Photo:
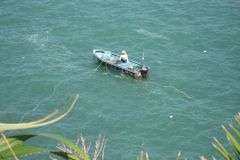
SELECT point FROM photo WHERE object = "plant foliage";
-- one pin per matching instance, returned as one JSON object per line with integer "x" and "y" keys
{"x": 16, "y": 146}
{"x": 232, "y": 134}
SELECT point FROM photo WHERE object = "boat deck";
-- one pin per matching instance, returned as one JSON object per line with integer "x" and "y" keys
{"x": 113, "y": 59}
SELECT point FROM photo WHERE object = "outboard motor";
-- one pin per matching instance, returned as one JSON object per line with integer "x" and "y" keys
{"x": 144, "y": 71}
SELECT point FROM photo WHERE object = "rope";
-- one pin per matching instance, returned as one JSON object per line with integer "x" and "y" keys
{"x": 179, "y": 91}
{"x": 98, "y": 66}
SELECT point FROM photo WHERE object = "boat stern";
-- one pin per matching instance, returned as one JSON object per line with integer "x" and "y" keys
{"x": 144, "y": 71}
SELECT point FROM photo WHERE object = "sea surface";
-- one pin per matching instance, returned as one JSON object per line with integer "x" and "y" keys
{"x": 192, "y": 47}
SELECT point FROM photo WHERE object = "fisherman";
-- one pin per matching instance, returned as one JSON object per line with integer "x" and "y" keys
{"x": 124, "y": 56}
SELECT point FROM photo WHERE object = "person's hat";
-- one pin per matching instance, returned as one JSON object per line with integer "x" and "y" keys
{"x": 124, "y": 52}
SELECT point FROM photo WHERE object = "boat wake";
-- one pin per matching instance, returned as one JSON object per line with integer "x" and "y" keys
{"x": 148, "y": 34}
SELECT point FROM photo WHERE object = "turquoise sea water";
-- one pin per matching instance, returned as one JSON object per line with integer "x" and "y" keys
{"x": 192, "y": 48}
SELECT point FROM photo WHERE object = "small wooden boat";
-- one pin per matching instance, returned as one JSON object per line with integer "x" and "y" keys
{"x": 130, "y": 68}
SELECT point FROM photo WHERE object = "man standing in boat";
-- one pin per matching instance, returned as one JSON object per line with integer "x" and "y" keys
{"x": 124, "y": 56}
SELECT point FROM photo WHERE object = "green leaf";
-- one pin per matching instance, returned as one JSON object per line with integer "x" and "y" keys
{"x": 21, "y": 150}
{"x": 67, "y": 142}
{"x": 220, "y": 148}
{"x": 67, "y": 156}
{"x": 232, "y": 140}
{"x": 236, "y": 131}
{"x": 25, "y": 137}
{"x": 14, "y": 140}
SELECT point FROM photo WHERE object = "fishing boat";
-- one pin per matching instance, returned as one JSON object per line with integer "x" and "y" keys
{"x": 130, "y": 68}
